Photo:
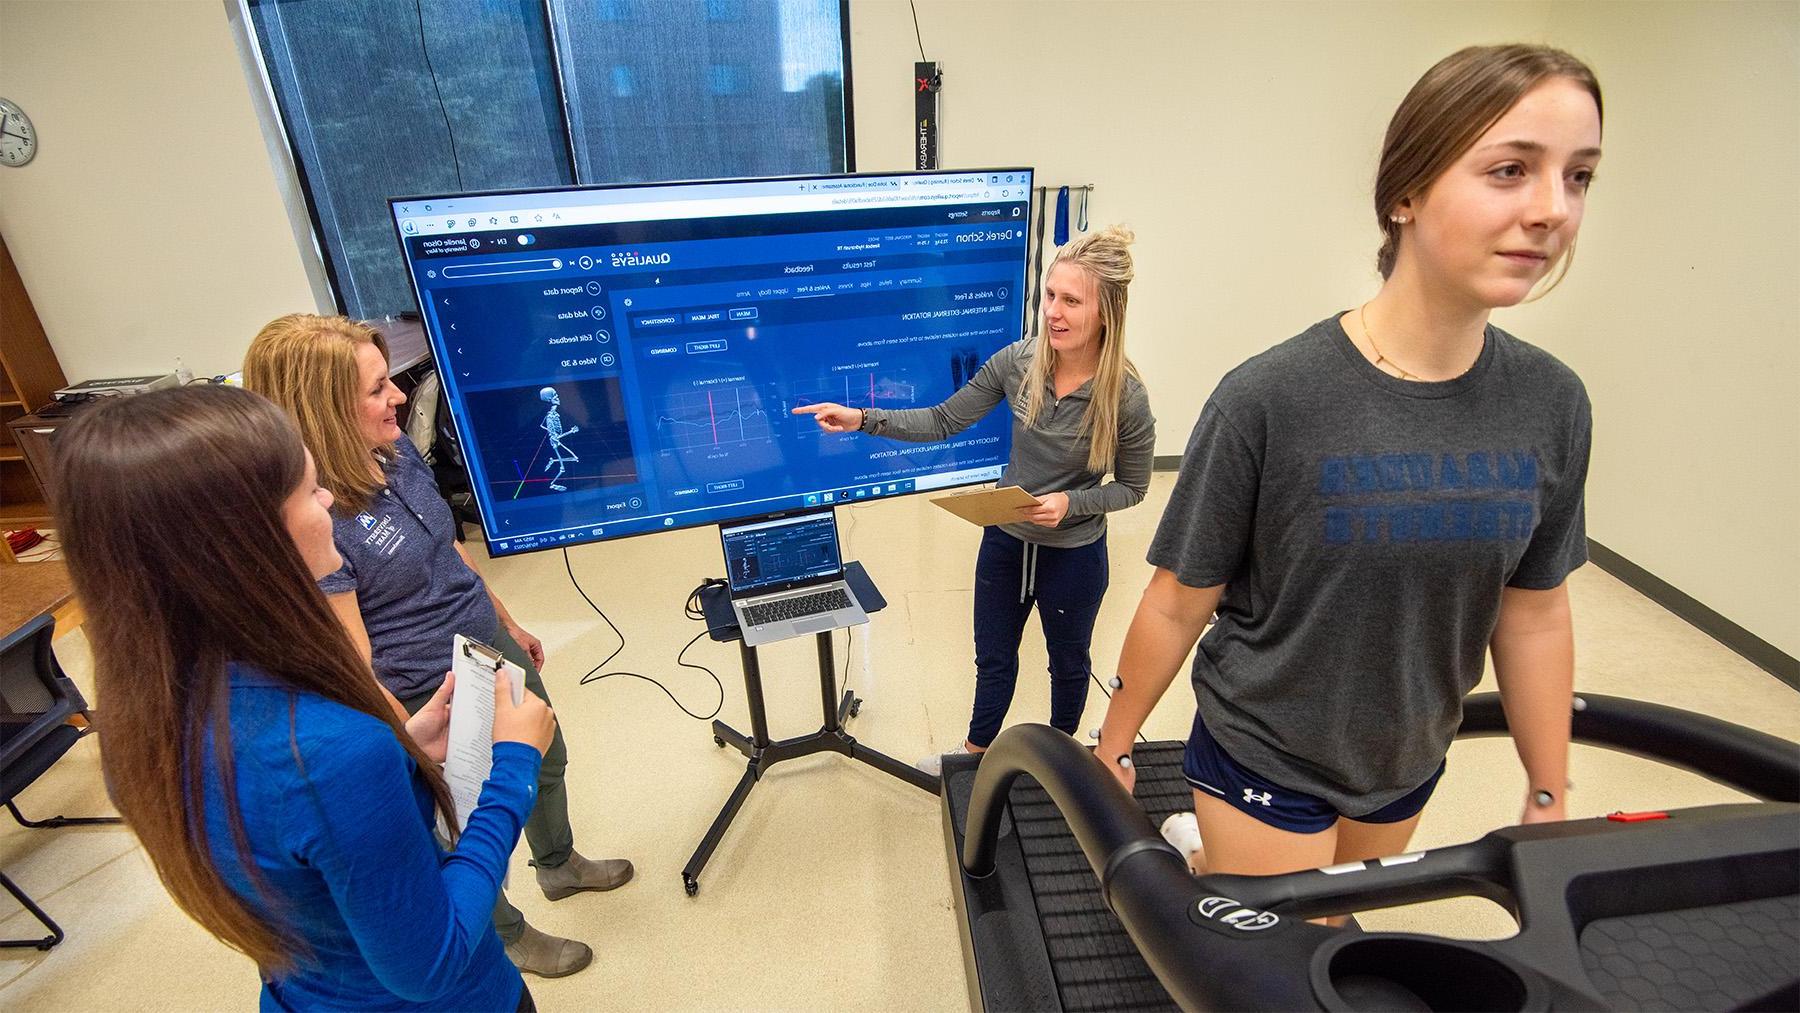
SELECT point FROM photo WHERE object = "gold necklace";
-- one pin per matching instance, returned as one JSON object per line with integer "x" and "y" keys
{"x": 1369, "y": 336}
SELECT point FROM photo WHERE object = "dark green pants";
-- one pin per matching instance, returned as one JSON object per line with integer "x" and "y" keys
{"x": 547, "y": 830}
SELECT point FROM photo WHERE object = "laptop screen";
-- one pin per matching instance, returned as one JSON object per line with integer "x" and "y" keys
{"x": 767, "y": 554}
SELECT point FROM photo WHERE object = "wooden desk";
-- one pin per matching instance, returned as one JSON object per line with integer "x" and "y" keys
{"x": 29, "y": 590}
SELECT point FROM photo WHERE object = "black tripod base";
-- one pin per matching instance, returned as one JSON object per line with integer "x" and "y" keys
{"x": 829, "y": 739}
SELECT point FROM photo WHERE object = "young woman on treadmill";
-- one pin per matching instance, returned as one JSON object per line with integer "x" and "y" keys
{"x": 1375, "y": 504}
{"x": 1079, "y": 411}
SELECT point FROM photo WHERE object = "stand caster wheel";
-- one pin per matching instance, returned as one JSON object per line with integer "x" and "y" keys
{"x": 855, "y": 707}
{"x": 691, "y": 884}
{"x": 721, "y": 744}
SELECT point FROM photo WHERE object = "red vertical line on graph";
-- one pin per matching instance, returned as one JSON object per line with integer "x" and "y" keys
{"x": 737, "y": 399}
{"x": 713, "y": 417}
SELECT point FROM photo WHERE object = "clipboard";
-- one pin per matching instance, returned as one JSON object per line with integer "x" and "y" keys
{"x": 469, "y": 757}
{"x": 999, "y": 505}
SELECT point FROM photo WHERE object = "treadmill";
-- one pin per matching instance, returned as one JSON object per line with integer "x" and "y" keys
{"x": 1068, "y": 898}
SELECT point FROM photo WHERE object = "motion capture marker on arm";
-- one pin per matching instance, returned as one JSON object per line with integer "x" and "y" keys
{"x": 1116, "y": 682}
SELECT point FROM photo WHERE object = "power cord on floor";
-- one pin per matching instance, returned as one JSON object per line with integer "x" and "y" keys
{"x": 692, "y": 610}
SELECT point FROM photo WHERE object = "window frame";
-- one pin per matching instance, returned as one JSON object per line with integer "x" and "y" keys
{"x": 297, "y": 190}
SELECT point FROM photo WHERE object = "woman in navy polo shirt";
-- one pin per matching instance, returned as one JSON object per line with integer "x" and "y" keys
{"x": 407, "y": 585}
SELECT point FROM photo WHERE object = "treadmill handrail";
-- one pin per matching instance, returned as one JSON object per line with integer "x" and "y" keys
{"x": 1102, "y": 815}
{"x": 1155, "y": 885}
{"x": 1750, "y": 761}
{"x": 1152, "y": 893}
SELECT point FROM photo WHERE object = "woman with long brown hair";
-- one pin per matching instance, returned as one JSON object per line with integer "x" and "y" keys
{"x": 1377, "y": 503}
{"x": 408, "y": 585}
{"x": 284, "y": 805}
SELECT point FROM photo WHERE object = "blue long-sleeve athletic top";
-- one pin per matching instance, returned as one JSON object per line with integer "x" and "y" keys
{"x": 340, "y": 830}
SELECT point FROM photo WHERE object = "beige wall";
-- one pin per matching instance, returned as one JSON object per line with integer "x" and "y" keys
{"x": 1683, "y": 310}
{"x": 149, "y": 226}
{"x": 1238, "y": 138}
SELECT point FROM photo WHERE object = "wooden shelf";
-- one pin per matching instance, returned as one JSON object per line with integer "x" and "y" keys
{"x": 26, "y": 514}
{"x": 29, "y": 373}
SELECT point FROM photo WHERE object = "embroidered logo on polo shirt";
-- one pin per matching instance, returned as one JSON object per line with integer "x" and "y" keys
{"x": 367, "y": 520}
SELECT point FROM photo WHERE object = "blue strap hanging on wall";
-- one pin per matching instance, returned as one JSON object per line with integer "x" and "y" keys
{"x": 1036, "y": 248}
{"x": 1062, "y": 216}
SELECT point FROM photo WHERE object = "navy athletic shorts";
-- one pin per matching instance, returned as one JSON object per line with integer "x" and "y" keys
{"x": 1208, "y": 768}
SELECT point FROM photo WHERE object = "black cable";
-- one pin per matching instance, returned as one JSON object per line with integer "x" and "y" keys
{"x": 455, "y": 162}
{"x": 916, "y": 35}
{"x": 692, "y": 609}
{"x": 849, "y": 631}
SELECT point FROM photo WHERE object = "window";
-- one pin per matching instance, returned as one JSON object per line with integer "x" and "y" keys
{"x": 397, "y": 97}
{"x": 624, "y": 85}
{"x": 722, "y": 79}
{"x": 761, "y": 94}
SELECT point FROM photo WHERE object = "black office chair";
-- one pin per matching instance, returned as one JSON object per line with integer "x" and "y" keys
{"x": 36, "y": 702}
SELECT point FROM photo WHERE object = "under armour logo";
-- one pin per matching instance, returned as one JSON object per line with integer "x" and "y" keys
{"x": 1251, "y": 796}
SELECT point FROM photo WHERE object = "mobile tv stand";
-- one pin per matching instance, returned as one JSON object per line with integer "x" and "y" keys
{"x": 721, "y": 625}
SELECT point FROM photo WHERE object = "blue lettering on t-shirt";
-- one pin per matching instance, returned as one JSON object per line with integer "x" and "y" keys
{"x": 1334, "y": 476}
{"x": 1411, "y": 497}
{"x": 1337, "y": 525}
{"x": 1518, "y": 471}
{"x": 1450, "y": 475}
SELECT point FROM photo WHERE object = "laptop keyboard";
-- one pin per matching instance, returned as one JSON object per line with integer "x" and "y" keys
{"x": 797, "y": 607}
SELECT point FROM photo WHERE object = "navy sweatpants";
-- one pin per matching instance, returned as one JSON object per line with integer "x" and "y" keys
{"x": 1066, "y": 586}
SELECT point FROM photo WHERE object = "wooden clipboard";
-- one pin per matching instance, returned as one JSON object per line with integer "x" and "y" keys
{"x": 999, "y": 505}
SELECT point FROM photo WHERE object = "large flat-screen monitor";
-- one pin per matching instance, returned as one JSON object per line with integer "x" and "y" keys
{"x": 622, "y": 360}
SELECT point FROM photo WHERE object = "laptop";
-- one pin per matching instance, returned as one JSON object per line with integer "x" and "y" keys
{"x": 787, "y": 578}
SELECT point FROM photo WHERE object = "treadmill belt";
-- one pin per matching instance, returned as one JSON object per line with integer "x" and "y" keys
{"x": 1096, "y": 964}
{"x": 1723, "y": 956}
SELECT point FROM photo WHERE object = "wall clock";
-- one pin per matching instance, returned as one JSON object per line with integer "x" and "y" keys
{"x": 18, "y": 139}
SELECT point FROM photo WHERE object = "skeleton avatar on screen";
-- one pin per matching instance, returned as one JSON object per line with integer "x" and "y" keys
{"x": 560, "y": 456}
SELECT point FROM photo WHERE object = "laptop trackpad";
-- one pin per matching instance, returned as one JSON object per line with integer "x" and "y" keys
{"x": 817, "y": 624}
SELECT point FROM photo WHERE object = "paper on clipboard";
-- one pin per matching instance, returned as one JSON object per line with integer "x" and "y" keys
{"x": 469, "y": 757}
{"x": 999, "y": 505}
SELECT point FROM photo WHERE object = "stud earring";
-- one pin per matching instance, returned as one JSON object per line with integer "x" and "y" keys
{"x": 1398, "y": 219}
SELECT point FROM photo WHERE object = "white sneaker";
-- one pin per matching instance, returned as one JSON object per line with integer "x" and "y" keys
{"x": 934, "y": 764}
{"x": 1183, "y": 831}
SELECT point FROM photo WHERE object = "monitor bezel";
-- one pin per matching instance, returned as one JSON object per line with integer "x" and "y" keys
{"x": 462, "y": 438}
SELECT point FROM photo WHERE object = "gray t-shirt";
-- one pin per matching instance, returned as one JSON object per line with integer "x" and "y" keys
{"x": 1364, "y": 527}
{"x": 1051, "y": 456}
{"x": 413, "y": 588}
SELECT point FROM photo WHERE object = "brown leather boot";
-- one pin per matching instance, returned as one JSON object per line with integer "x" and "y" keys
{"x": 578, "y": 874}
{"x": 548, "y": 956}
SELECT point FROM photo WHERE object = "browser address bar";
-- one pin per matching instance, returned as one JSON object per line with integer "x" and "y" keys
{"x": 719, "y": 208}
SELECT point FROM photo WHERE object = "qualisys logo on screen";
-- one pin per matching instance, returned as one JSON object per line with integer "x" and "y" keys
{"x": 635, "y": 259}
